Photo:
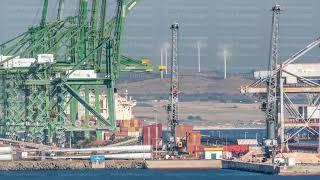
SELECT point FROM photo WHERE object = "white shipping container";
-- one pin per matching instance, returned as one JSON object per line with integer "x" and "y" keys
{"x": 260, "y": 74}
{"x": 24, "y": 60}
{"x": 291, "y": 80}
{"x": 8, "y": 64}
{"x": 303, "y": 70}
{"x": 313, "y": 112}
{"x": 309, "y": 112}
{"x": 291, "y": 161}
{"x": 213, "y": 155}
{"x": 83, "y": 74}
{"x": 45, "y": 58}
{"x": 134, "y": 134}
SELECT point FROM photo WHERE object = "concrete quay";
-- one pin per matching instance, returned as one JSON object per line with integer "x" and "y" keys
{"x": 183, "y": 164}
{"x": 300, "y": 170}
{"x": 251, "y": 167}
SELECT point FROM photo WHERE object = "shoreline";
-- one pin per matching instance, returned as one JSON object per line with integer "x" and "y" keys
{"x": 78, "y": 165}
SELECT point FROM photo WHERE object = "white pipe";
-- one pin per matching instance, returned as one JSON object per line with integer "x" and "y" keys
{"x": 107, "y": 156}
{"x": 129, "y": 156}
{"x": 137, "y": 148}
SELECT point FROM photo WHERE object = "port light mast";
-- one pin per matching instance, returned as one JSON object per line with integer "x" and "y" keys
{"x": 173, "y": 119}
{"x": 272, "y": 87}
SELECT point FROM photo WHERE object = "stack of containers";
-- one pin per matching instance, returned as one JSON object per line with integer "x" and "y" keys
{"x": 194, "y": 146}
{"x": 152, "y": 135}
{"x": 118, "y": 135}
{"x": 182, "y": 131}
{"x": 132, "y": 127}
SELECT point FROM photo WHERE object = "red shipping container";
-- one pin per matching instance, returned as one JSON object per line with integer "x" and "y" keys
{"x": 123, "y": 129}
{"x": 121, "y": 134}
{"x": 107, "y": 134}
{"x": 151, "y": 133}
{"x": 194, "y": 138}
{"x": 182, "y": 130}
{"x": 192, "y": 149}
{"x": 100, "y": 142}
{"x": 236, "y": 148}
{"x": 197, "y": 155}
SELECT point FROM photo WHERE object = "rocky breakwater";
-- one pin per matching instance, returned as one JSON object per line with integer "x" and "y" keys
{"x": 44, "y": 165}
{"x": 68, "y": 165}
{"x": 125, "y": 164}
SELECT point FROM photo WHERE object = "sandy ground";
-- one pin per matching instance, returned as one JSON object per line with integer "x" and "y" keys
{"x": 206, "y": 115}
{"x": 310, "y": 158}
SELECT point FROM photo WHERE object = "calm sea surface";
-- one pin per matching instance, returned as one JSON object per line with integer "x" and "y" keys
{"x": 142, "y": 174}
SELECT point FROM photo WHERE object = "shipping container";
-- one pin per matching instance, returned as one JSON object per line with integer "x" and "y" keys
{"x": 124, "y": 129}
{"x": 117, "y": 135}
{"x": 229, "y": 148}
{"x": 194, "y": 138}
{"x": 45, "y": 58}
{"x": 21, "y": 154}
{"x": 192, "y": 149}
{"x": 213, "y": 155}
{"x": 183, "y": 130}
{"x": 197, "y": 155}
{"x": 236, "y": 148}
{"x": 152, "y": 135}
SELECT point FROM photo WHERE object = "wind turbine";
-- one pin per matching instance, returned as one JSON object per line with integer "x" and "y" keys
{"x": 161, "y": 62}
{"x": 226, "y": 53}
{"x": 199, "y": 56}
{"x": 166, "y": 46}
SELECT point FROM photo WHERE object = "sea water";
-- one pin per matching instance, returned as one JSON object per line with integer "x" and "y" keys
{"x": 143, "y": 174}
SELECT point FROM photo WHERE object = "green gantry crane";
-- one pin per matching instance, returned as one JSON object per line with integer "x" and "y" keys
{"x": 35, "y": 97}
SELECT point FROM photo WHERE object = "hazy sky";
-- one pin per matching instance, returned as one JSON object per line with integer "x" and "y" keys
{"x": 242, "y": 26}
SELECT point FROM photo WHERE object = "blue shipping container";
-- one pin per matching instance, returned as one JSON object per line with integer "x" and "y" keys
{"x": 97, "y": 158}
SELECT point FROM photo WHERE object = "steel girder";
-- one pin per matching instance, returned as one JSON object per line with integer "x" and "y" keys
{"x": 36, "y": 99}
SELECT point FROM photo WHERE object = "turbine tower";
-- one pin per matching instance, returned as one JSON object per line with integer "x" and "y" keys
{"x": 225, "y": 55}
{"x": 161, "y": 62}
{"x": 199, "y": 56}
